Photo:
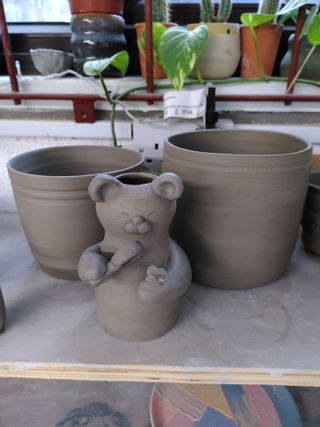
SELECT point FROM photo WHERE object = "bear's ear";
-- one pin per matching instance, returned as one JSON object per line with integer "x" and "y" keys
{"x": 168, "y": 186}
{"x": 103, "y": 186}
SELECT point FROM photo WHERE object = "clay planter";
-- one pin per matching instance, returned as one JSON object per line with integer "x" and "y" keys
{"x": 50, "y": 188}
{"x": 158, "y": 72}
{"x": 239, "y": 216}
{"x": 139, "y": 273}
{"x": 311, "y": 216}
{"x": 96, "y": 6}
{"x": 2, "y": 312}
{"x": 268, "y": 39}
{"x": 222, "y": 53}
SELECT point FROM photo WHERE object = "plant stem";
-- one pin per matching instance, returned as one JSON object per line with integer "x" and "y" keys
{"x": 113, "y": 110}
{"x": 301, "y": 68}
{"x": 256, "y": 46}
{"x": 198, "y": 74}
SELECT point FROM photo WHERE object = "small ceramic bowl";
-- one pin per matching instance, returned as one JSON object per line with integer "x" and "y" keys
{"x": 51, "y": 61}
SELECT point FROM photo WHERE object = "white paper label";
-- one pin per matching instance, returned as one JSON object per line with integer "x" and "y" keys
{"x": 185, "y": 104}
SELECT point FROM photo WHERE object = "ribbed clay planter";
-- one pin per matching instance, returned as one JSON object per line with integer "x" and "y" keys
{"x": 239, "y": 215}
{"x": 50, "y": 187}
{"x": 221, "y": 55}
{"x": 311, "y": 216}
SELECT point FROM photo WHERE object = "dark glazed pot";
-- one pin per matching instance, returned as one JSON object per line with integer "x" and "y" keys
{"x": 239, "y": 216}
{"x": 50, "y": 187}
{"x": 2, "y": 313}
{"x": 96, "y": 36}
{"x": 311, "y": 216}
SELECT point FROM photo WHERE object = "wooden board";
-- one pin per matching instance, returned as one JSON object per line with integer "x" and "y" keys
{"x": 269, "y": 335}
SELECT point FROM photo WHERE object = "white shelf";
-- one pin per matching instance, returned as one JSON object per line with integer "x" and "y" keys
{"x": 269, "y": 335}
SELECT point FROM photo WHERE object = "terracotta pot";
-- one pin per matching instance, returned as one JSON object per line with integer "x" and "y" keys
{"x": 158, "y": 72}
{"x": 221, "y": 55}
{"x": 96, "y": 6}
{"x": 96, "y": 36}
{"x": 50, "y": 188}
{"x": 2, "y": 312}
{"x": 268, "y": 36}
{"x": 138, "y": 271}
{"x": 311, "y": 216}
{"x": 239, "y": 216}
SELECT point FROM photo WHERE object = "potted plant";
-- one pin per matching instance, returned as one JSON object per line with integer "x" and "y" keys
{"x": 161, "y": 15}
{"x": 222, "y": 53}
{"x": 260, "y": 36}
{"x": 97, "y": 31}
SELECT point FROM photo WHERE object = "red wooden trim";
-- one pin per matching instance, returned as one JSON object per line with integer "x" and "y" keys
{"x": 7, "y": 49}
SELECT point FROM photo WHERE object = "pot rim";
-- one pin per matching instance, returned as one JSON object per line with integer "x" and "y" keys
{"x": 307, "y": 147}
{"x": 68, "y": 147}
{"x": 315, "y": 187}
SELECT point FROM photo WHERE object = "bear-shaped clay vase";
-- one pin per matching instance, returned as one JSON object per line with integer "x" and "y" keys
{"x": 139, "y": 273}
{"x": 2, "y": 312}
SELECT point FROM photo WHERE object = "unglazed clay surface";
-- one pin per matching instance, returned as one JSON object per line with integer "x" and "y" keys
{"x": 138, "y": 271}
{"x": 238, "y": 219}
{"x": 2, "y": 312}
{"x": 50, "y": 187}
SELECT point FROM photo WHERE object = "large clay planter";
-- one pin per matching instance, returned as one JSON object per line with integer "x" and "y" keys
{"x": 311, "y": 216}
{"x": 158, "y": 71}
{"x": 2, "y": 312}
{"x": 268, "y": 36}
{"x": 96, "y": 6}
{"x": 221, "y": 55}
{"x": 50, "y": 187}
{"x": 239, "y": 216}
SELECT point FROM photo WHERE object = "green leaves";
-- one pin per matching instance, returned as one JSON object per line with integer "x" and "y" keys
{"x": 309, "y": 20}
{"x": 179, "y": 50}
{"x": 290, "y": 6}
{"x": 157, "y": 31}
{"x": 253, "y": 20}
{"x": 314, "y": 32}
{"x": 95, "y": 68}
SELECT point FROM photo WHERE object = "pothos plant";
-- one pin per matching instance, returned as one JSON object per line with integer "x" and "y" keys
{"x": 179, "y": 50}
{"x": 95, "y": 68}
{"x": 268, "y": 11}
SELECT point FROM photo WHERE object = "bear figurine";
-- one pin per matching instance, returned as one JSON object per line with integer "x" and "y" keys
{"x": 139, "y": 273}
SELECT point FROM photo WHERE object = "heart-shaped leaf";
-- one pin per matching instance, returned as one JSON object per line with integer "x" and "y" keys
{"x": 291, "y": 5}
{"x": 179, "y": 50}
{"x": 157, "y": 31}
{"x": 120, "y": 60}
{"x": 253, "y": 20}
{"x": 314, "y": 31}
{"x": 309, "y": 20}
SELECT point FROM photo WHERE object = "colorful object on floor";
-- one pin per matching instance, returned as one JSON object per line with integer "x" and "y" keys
{"x": 174, "y": 405}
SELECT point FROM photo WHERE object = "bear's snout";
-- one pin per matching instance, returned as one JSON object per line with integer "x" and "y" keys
{"x": 137, "y": 225}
